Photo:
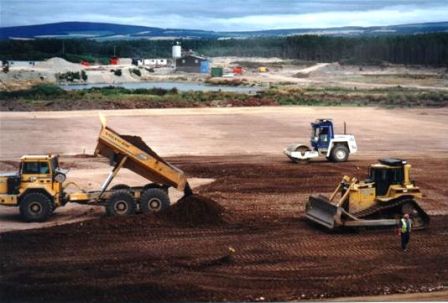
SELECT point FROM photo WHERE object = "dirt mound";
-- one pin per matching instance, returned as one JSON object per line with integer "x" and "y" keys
{"x": 59, "y": 65}
{"x": 195, "y": 210}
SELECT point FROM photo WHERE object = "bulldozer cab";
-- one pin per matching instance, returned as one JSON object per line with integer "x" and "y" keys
{"x": 386, "y": 173}
{"x": 322, "y": 133}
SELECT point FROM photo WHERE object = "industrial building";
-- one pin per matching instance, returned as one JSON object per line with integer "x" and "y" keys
{"x": 192, "y": 64}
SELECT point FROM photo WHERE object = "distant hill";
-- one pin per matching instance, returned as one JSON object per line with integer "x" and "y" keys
{"x": 107, "y": 31}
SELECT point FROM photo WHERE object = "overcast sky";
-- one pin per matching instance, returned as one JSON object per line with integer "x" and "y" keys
{"x": 226, "y": 15}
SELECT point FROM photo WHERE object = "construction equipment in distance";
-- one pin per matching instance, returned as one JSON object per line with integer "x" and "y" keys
{"x": 39, "y": 186}
{"x": 380, "y": 200}
{"x": 336, "y": 148}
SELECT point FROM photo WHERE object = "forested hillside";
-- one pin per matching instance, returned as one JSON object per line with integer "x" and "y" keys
{"x": 424, "y": 49}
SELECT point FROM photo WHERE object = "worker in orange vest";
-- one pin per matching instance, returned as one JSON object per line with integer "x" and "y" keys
{"x": 404, "y": 230}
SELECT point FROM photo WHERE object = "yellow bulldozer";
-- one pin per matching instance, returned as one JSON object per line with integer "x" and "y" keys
{"x": 380, "y": 200}
{"x": 39, "y": 186}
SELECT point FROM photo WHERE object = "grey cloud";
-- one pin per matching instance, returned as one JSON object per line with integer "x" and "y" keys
{"x": 228, "y": 15}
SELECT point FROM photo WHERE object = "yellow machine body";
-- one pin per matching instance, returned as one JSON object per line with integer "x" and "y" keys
{"x": 144, "y": 163}
{"x": 362, "y": 196}
{"x": 36, "y": 173}
{"x": 40, "y": 182}
{"x": 377, "y": 201}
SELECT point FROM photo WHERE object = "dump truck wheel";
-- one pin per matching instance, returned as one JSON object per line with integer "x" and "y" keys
{"x": 121, "y": 203}
{"x": 339, "y": 153}
{"x": 154, "y": 200}
{"x": 36, "y": 207}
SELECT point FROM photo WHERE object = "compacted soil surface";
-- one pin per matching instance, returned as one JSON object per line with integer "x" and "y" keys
{"x": 241, "y": 238}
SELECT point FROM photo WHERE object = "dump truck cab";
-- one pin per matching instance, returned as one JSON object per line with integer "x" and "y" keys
{"x": 36, "y": 187}
{"x": 36, "y": 173}
{"x": 41, "y": 168}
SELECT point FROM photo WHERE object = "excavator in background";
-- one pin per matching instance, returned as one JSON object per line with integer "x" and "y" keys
{"x": 39, "y": 186}
{"x": 381, "y": 200}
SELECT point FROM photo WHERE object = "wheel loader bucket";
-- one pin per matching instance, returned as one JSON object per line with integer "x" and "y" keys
{"x": 320, "y": 210}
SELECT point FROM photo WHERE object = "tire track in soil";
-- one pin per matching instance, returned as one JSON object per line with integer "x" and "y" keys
{"x": 278, "y": 255}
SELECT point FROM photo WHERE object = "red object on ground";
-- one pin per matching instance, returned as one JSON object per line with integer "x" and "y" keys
{"x": 113, "y": 60}
{"x": 237, "y": 70}
{"x": 85, "y": 63}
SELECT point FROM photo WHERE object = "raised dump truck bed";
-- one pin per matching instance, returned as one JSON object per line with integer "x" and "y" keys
{"x": 140, "y": 158}
{"x": 132, "y": 153}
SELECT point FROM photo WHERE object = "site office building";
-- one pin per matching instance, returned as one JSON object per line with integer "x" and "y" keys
{"x": 192, "y": 64}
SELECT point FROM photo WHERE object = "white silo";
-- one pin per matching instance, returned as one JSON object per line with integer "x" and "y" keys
{"x": 177, "y": 51}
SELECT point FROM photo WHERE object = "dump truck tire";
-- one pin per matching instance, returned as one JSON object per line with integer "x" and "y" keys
{"x": 36, "y": 207}
{"x": 154, "y": 200}
{"x": 339, "y": 153}
{"x": 121, "y": 203}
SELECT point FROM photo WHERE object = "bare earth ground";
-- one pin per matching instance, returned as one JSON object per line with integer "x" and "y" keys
{"x": 278, "y": 255}
{"x": 224, "y": 131}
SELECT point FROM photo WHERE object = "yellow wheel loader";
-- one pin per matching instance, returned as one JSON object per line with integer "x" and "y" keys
{"x": 39, "y": 186}
{"x": 380, "y": 200}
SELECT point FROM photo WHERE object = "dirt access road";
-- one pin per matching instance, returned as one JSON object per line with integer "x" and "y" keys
{"x": 224, "y": 131}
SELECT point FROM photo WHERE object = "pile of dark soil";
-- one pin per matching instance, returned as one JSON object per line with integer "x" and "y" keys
{"x": 195, "y": 210}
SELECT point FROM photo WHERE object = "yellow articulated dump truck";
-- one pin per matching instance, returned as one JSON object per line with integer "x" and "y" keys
{"x": 39, "y": 187}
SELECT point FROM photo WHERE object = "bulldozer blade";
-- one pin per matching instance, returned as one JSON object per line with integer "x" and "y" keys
{"x": 320, "y": 210}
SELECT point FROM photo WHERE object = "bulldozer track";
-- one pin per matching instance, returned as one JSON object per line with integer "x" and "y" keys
{"x": 379, "y": 208}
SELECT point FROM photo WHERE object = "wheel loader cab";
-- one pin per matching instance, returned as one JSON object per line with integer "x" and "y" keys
{"x": 386, "y": 173}
{"x": 322, "y": 133}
